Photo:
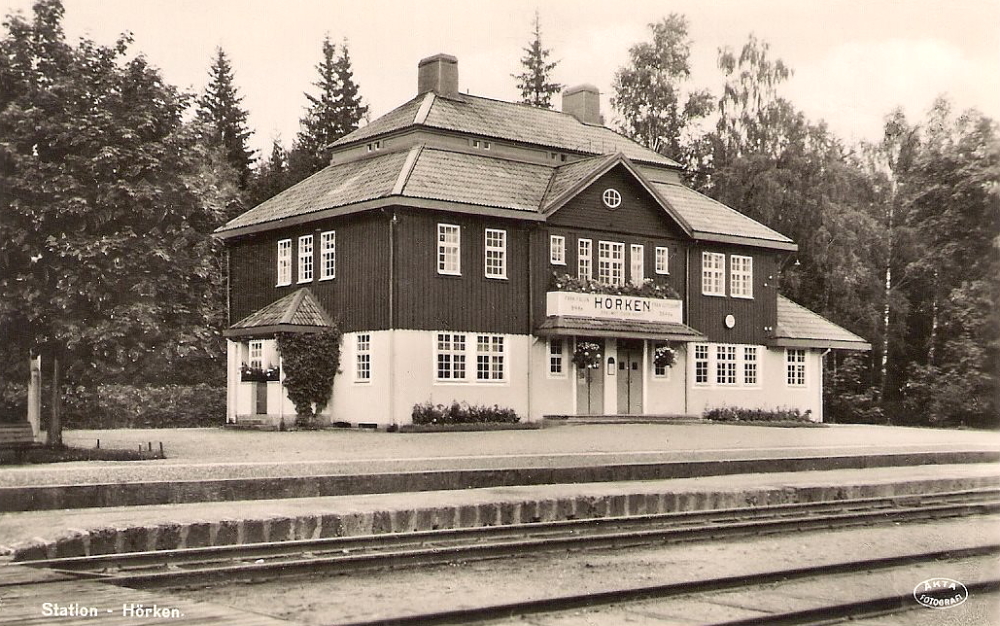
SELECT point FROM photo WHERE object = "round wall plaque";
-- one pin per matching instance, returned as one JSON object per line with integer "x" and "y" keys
{"x": 730, "y": 321}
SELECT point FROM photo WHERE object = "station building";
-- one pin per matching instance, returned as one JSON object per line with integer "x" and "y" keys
{"x": 484, "y": 251}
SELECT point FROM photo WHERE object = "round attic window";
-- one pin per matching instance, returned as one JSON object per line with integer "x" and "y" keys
{"x": 612, "y": 199}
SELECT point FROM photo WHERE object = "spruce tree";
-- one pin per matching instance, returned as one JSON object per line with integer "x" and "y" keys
{"x": 220, "y": 107}
{"x": 535, "y": 83}
{"x": 333, "y": 113}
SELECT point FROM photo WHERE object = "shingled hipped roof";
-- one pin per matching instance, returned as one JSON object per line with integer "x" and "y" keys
{"x": 297, "y": 312}
{"x": 475, "y": 115}
{"x": 798, "y": 327}
{"x": 492, "y": 182}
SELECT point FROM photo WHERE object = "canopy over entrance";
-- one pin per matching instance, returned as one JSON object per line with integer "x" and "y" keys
{"x": 629, "y": 329}
{"x": 298, "y": 312}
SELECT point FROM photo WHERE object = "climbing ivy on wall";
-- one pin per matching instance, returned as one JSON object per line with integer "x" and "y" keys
{"x": 310, "y": 361}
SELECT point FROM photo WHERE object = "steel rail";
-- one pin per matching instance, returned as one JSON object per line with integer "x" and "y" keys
{"x": 653, "y": 592}
{"x": 422, "y": 555}
{"x": 345, "y": 545}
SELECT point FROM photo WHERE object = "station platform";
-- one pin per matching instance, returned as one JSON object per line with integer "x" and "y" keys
{"x": 225, "y": 487}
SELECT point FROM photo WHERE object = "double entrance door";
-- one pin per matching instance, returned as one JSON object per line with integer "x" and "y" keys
{"x": 629, "y": 377}
{"x": 626, "y": 376}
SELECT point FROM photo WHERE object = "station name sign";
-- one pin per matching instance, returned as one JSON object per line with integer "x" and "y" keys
{"x": 612, "y": 307}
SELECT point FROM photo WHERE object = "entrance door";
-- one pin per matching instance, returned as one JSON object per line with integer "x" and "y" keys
{"x": 629, "y": 377}
{"x": 590, "y": 388}
{"x": 260, "y": 398}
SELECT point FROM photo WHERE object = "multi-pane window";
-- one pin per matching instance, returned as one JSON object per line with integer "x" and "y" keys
{"x": 257, "y": 354}
{"x": 449, "y": 249}
{"x": 305, "y": 258}
{"x": 489, "y": 357}
{"x": 713, "y": 274}
{"x": 659, "y": 371}
{"x": 557, "y": 250}
{"x": 741, "y": 276}
{"x": 611, "y": 262}
{"x": 328, "y": 255}
{"x": 796, "y": 362}
{"x": 750, "y": 365}
{"x": 725, "y": 365}
{"x": 636, "y": 269}
{"x": 285, "y": 262}
{"x": 585, "y": 259}
{"x": 556, "y": 356}
{"x": 363, "y": 358}
{"x": 450, "y": 356}
{"x": 701, "y": 363}
{"x": 734, "y": 365}
{"x": 662, "y": 260}
{"x": 496, "y": 253}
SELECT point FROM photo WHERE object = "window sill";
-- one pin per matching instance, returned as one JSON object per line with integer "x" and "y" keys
{"x": 551, "y": 262}
{"x": 714, "y": 295}
{"x": 503, "y": 278}
{"x": 452, "y": 274}
{"x": 283, "y": 285}
{"x": 304, "y": 282}
{"x": 326, "y": 278}
{"x": 743, "y": 297}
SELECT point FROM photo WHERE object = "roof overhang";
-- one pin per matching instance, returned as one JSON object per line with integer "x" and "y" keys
{"x": 380, "y": 203}
{"x": 270, "y": 331}
{"x": 746, "y": 241}
{"x": 560, "y": 326}
{"x": 828, "y": 344}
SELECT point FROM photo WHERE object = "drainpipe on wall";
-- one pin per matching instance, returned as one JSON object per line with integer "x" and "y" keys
{"x": 531, "y": 316}
{"x": 685, "y": 318}
{"x": 392, "y": 317}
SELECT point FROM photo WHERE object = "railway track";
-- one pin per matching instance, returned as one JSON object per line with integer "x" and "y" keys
{"x": 201, "y": 566}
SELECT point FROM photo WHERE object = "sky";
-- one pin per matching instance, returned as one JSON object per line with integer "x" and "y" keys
{"x": 853, "y": 60}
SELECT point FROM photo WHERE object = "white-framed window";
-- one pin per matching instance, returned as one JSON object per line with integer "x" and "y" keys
{"x": 557, "y": 250}
{"x": 725, "y": 365}
{"x": 363, "y": 358}
{"x": 750, "y": 367}
{"x": 328, "y": 255}
{"x": 375, "y": 145}
{"x": 741, "y": 276}
{"x": 713, "y": 274}
{"x": 636, "y": 267}
{"x": 285, "y": 262}
{"x": 611, "y": 198}
{"x": 480, "y": 144}
{"x": 495, "y": 261}
{"x": 450, "y": 356}
{"x": 449, "y": 256}
{"x": 490, "y": 358}
{"x": 795, "y": 359}
{"x": 256, "y": 360}
{"x": 701, "y": 364}
{"x": 556, "y": 358}
{"x": 733, "y": 365}
{"x": 662, "y": 260}
{"x": 584, "y": 259}
{"x": 305, "y": 258}
{"x": 611, "y": 262}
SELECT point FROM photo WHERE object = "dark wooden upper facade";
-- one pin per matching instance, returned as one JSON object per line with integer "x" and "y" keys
{"x": 386, "y": 274}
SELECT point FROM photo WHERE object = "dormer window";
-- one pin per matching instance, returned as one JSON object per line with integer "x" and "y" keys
{"x": 480, "y": 144}
{"x": 557, "y": 156}
{"x": 375, "y": 145}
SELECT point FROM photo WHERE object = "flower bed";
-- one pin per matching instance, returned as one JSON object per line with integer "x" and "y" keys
{"x": 648, "y": 289}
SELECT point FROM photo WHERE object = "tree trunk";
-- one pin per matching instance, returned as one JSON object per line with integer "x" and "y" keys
{"x": 55, "y": 424}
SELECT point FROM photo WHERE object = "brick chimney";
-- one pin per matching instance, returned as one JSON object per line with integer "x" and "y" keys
{"x": 439, "y": 74}
{"x": 584, "y": 103}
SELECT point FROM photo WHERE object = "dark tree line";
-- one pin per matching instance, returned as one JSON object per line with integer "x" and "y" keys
{"x": 898, "y": 239}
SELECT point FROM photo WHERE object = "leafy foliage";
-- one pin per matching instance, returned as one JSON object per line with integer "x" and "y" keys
{"x": 535, "y": 83}
{"x": 311, "y": 361}
{"x": 735, "y": 414}
{"x": 110, "y": 200}
{"x": 462, "y": 413}
{"x": 220, "y": 108}
{"x": 648, "y": 289}
{"x": 651, "y": 102}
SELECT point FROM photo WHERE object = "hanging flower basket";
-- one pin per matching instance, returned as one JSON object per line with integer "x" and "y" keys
{"x": 587, "y": 355}
{"x": 664, "y": 356}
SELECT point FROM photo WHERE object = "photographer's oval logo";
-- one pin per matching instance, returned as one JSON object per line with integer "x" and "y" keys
{"x": 940, "y": 593}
